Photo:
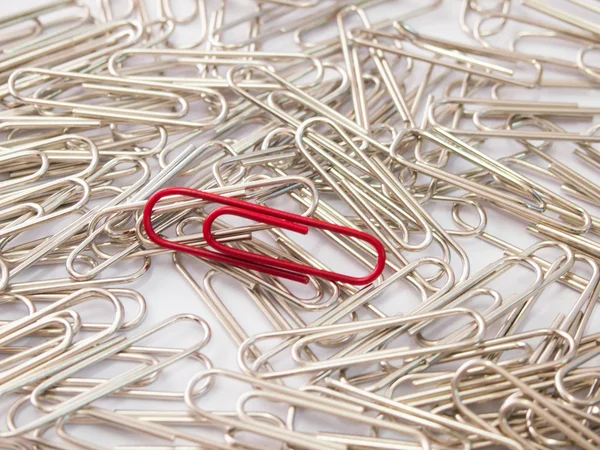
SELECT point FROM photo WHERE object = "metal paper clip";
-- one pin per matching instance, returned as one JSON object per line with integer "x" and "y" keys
{"x": 263, "y": 214}
{"x": 113, "y": 384}
{"x": 138, "y": 89}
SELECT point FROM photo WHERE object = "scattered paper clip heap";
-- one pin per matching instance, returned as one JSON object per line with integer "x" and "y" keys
{"x": 173, "y": 134}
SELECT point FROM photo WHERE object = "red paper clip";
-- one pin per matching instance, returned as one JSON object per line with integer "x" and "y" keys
{"x": 263, "y": 214}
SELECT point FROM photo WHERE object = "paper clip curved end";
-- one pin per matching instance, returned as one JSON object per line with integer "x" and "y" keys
{"x": 203, "y": 253}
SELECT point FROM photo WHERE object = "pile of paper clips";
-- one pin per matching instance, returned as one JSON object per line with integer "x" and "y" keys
{"x": 172, "y": 133}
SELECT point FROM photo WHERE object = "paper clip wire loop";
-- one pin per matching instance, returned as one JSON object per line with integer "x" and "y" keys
{"x": 270, "y": 216}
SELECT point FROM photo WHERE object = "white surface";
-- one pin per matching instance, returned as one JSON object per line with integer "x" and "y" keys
{"x": 167, "y": 293}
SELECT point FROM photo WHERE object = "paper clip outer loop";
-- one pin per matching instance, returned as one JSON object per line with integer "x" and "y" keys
{"x": 270, "y": 216}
